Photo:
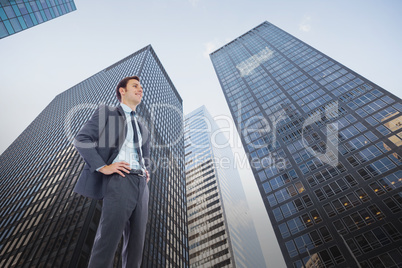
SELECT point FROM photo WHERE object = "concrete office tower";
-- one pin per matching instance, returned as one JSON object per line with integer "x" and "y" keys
{"x": 324, "y": 144}
{"x": 221, "y": 230}
{"x": 44, "y": 224}
{"x": 18, "y": 15}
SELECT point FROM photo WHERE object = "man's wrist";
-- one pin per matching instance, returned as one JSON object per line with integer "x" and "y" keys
{"x": 98, "y": 169}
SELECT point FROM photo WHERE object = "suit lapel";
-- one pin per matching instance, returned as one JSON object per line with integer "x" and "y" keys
{"x": 118, "y": 132}
{"x": 122, "y": 127}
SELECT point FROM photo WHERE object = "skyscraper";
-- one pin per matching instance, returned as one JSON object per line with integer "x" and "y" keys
{"x": 19, "y": 15}
{"x": 221, "y": 234}
{"x": 324, "y": 144}
{"x": 44, "y": 224}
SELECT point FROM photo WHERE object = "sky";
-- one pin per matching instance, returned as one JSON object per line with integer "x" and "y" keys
{"x": 41, "y": 62}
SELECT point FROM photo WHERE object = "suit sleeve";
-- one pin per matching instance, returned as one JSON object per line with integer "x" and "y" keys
{"x": 86, "y": 141}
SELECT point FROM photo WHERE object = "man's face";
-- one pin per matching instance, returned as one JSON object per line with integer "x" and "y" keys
{"x": 132, "y": 93}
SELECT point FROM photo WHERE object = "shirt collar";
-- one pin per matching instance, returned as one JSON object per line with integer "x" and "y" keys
{"x": 127, "y": 110}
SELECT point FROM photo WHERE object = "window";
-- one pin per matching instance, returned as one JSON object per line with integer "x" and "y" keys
{"x": 390, "y": 203}
{"x": 340, "y": 227}
{"x": 290, "y": 246}
{"x": 378, "y": 214}
{"x": 319, "y": 194}
{"x": 352, "y": 161}
{"x": 383, "y": 260}
{"x": 338, "y": 206}
{"x": 351, "y": 181}
{"x": 392, "y": 231}
{"x": 338, "y": 257}
{"x": 277, "y": 214}
{"x": 325, "y": 259}
{"x": 380, "y": 166}
{"x": 329, "y": 210}
{"x": 325, "y": 234}
{"x": 381, "y": 236}
{"x": 353, "y": 246}
{"x": 296, "y": 225}
{"x": 311, "y": 181}
{"x": 363, "y": 243}
{"x": 316, "y": 217}
{"x": 299, "y": 186}
{"x": 307, "y": 201}
{"x": 362, "y": 195}
{"x": 272, "y": 200}
{"x": 303, "y": 242}
{"x": 284, "y": 230}
{"x": 266, "y": 187}
{"x": 364, "y": 174}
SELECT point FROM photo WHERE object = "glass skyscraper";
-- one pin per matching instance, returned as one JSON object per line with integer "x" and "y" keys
{"x": 19, "y": 15}
{"x": 324, "y": 144}
{"x": 43, "y": 223}
{"x": 221, "y": 234}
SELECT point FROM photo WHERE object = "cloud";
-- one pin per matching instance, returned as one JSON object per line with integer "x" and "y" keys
{"x": 305, "y": 25}
{"x": 209, "y": 47}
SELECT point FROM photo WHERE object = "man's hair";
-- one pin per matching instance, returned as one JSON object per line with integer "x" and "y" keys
{"x": 123, "y": 84}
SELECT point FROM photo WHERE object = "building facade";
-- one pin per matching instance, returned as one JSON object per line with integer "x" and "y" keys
{"x": 19, "y": 15}
{"x": 221, "y": 234}
{"x": 324, "y": 144}
{"x": 43, "y": 223}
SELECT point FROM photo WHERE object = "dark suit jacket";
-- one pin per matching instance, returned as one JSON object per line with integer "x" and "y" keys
{"x": 99, "y": 142}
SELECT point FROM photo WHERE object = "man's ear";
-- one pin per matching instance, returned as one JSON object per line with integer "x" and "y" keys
{"x": 122, "y": 91}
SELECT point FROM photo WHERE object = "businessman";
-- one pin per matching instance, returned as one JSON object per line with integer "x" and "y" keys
{"x": 115, "y": 147}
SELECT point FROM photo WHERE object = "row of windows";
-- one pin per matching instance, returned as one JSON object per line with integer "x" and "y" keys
{"x": 335, "y": 188}
{"x": 357, "y": 219}
{"x": 344, "y": 83}
{"x": 325, "y": 66}
{"x": 374, "y": 239}
{"x": 12, "y": 21}
{"x": 394, "y": 203}
{"x": 309, "y": 95}
{"x": 288, "y": 209}
{"x": 284, "y": 194}
{"x": 327, "y": 174}
{"x": 307, "y": 139}
{"x": 208, "y": 239}
{"x": 388, "y": 259}
{"x": 304, "y": 90}
{"x": 346, "y": 88}
{"x": 392, "y": 125}
{"x": 278, "y": 181}
{"x": 324, "y": 258}
{"x": 302, "y": 222}
{"x": 19, "y": 9}
{"x": 311, "y": 240}
{"x": 382, "y": 114}
{"x": 387, "y": 183}
{"x": 345, "y": 203}
{"x": 317, "y": 163}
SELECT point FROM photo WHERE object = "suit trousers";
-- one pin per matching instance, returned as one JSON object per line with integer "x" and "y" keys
{"x": 124, "y": 212}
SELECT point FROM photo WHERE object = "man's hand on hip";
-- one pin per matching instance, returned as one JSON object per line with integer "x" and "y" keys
{"x": 147, "y": 174}
{"x": 118, "y": 167}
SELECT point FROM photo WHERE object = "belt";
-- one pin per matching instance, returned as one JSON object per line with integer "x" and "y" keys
{"x": 139, "y": 172}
